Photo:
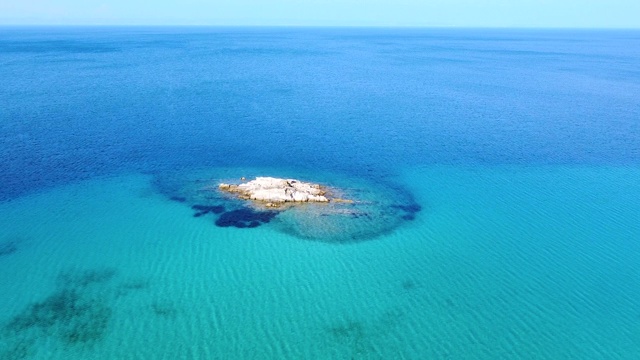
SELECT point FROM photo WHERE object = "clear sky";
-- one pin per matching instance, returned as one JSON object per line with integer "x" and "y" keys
{"x": 438, "y": 13}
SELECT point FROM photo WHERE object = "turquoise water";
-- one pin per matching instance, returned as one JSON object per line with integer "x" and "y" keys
{"x": 538, "y": 263}
{"x": 499, "y": 224}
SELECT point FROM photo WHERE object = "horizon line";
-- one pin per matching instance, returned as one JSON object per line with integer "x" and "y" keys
{"x": 450, "y": 27}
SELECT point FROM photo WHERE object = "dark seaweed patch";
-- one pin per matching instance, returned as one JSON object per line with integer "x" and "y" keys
{"x": 245, "y": 218}
{"x": 409, "y": 285}
{"x": 72, "y": 279}
{"x": 357, "y": 215}
{"x": 16, "y": 350}
{"x": 205, "y": 209}
{"x": 88, "y": 327}
{"x": 76, "y": 313}
{"x": 253, "y": 224}
{"x": 358, "y": 338}
{"x": 58, "y": 307}
{"x": 8, "y": 248}
{"x": 347, "y": 330}
{"x": 127, "y": 287}
{"x": 135, "y": 285}
{"x": 67, "y": 315}
{"x": 164, "y": 310}
{"x": 353, "y": 335}
{"x": 410, "y": 210}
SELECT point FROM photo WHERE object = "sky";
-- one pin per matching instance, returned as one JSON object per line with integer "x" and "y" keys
{"x": 424, "y": 13}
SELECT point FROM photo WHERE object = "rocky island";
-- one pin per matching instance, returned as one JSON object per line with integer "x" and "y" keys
{"x": 274, "y": 192}
{"x": 335, "y": 208}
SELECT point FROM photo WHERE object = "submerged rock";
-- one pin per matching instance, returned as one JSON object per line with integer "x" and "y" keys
{"x": 245, "y": 218}
{"x": 273, "y": 191}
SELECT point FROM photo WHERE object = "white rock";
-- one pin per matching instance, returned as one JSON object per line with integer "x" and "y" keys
{"x": 276, "y": 190}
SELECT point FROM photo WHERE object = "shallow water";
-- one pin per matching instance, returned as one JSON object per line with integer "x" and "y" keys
{"x": 502, "y": 170}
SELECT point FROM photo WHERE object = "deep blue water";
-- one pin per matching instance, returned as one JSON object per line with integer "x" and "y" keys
{"x": 81, "y": 101}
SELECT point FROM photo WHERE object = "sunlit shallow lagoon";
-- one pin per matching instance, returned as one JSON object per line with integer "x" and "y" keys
{"x": 502, "y": 171}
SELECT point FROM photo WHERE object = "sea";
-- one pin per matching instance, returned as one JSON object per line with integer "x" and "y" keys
{"x": 492, "y": 179}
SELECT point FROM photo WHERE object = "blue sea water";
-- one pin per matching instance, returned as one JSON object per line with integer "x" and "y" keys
{"x": 499, "y": 172}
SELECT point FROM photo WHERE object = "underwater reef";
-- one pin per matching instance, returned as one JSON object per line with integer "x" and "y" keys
{"x": 349, "y": 210}
{"x": 76, "y": 314}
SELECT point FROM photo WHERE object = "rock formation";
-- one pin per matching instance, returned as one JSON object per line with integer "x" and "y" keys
{"x": 275, "y": 191}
